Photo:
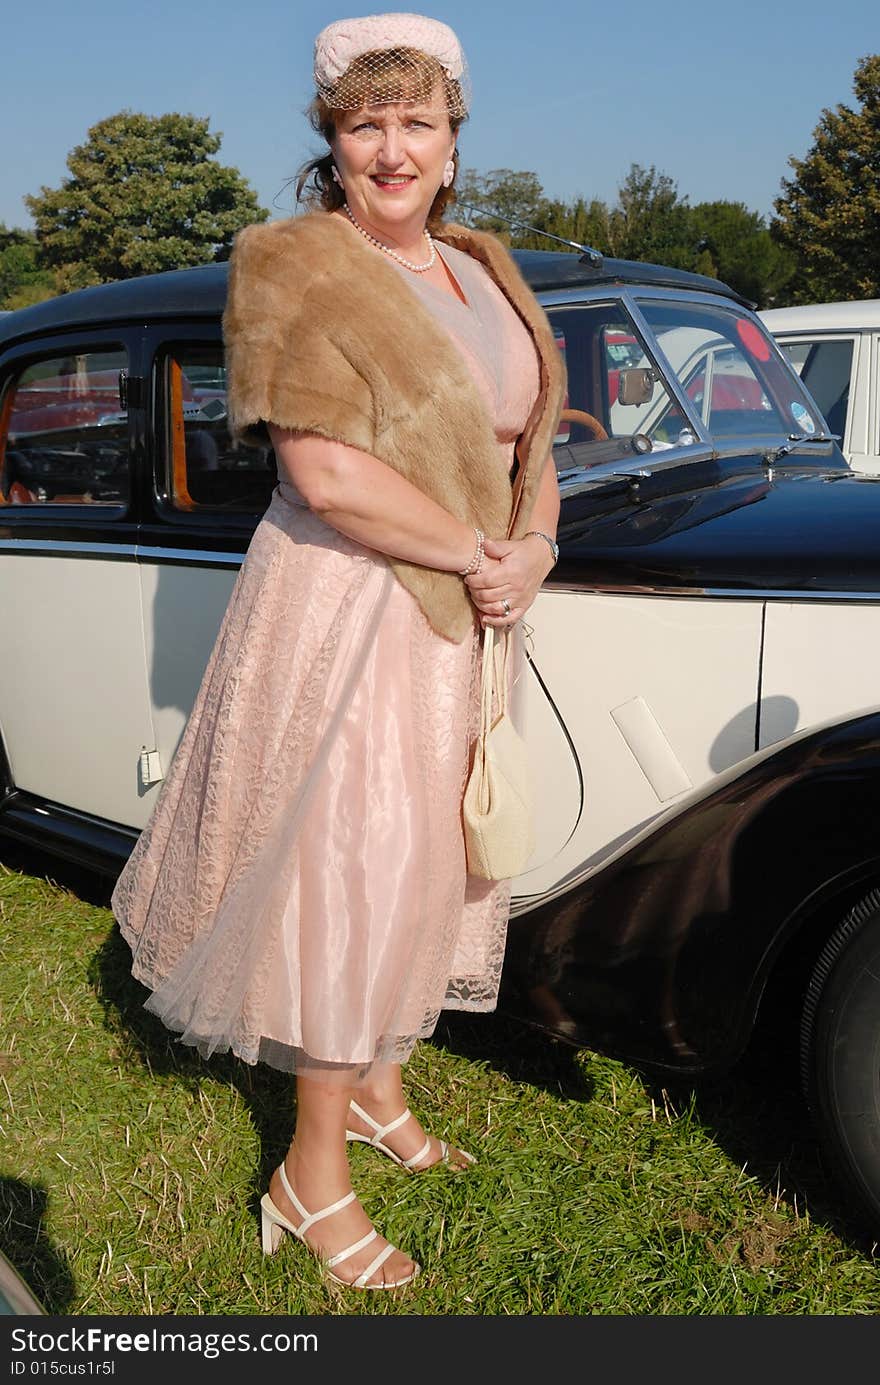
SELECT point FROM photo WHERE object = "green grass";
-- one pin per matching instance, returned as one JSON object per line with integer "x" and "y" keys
{"x": 131, "y": 1170}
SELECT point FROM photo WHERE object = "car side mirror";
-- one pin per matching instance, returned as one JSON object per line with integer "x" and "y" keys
{"x": 635, "y": 385}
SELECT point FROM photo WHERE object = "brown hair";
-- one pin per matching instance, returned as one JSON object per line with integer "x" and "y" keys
{"x": 366, "y": 82}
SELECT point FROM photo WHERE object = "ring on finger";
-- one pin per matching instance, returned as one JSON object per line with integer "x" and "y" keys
{"x": 505, "y": 606}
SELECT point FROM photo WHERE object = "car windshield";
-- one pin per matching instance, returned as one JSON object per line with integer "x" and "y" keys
{"x": 617, "y": 402}
{"x": 730, "y": 370}
{"x": 622, "y": 400}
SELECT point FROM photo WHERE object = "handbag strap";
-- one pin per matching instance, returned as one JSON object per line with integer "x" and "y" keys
{"x": 494, "y": 673}
{"x": 518, "y": 482}
{"x": 490, "y": 645}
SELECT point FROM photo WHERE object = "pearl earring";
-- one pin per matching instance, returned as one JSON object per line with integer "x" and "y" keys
{"x": 335, "y": 172}
{"x": 448, "y": 173}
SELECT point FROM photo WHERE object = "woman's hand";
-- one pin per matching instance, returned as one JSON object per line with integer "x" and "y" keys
{"x": 513, "y": 569}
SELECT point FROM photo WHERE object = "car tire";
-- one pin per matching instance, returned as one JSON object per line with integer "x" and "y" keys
{"x": 840, "y": 1052}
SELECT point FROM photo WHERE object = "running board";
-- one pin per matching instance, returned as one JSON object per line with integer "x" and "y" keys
{"x": 91, "y": 842}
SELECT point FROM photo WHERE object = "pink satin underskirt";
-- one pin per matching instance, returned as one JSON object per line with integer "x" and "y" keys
{"x": 300, "y": 894}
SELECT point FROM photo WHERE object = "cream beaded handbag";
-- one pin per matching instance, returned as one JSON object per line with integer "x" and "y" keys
{"x": 497, "y": 809}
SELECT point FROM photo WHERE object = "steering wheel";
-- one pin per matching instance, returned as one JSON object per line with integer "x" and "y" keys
{"x": 19, "y": 494}
{"x": 581, "y": 416}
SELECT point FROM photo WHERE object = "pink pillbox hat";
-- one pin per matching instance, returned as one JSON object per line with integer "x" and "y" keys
{"x": 340, "y": 43}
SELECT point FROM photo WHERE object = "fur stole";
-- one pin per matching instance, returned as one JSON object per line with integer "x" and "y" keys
{"x": 323, "y": 336}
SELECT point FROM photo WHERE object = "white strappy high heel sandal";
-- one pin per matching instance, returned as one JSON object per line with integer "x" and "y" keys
{"x": 378, "y": 1137}
{"x": 273, "y": 1223}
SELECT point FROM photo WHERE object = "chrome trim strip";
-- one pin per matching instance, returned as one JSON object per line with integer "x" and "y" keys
{"x": 70, "y": 548}
{"x": 633, "y": 467}
{"x": 668, "y": 374}
{"x": 740, "y": 593}
{"x": 201, "y": 557}
{"x": 198, "y": 557}
{"x": 609, "y": 290}
{"x": 113, "y": 552}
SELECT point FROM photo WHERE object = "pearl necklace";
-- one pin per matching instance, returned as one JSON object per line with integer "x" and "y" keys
{"x": 407, "y": 264}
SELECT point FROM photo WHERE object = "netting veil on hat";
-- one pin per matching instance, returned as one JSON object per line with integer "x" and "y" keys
{"x": 381, "y": 58}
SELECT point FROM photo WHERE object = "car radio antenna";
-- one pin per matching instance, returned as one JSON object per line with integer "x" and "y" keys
{"x": 588, "y": 254}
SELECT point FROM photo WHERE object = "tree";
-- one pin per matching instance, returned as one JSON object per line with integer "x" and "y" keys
{"x": 650, "y": 221}
{"x": 515, "y": 196}
{"x": 145, "y": 194}
{"x": 519, "y": 199}
{"x": 584, "y": 222}
{"x": 22, "y": 281}
{"x": 735, "y": 245}
{"x": 829, "y": 213}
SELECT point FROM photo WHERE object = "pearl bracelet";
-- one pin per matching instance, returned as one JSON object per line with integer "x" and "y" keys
{"x": 476, "y": 561}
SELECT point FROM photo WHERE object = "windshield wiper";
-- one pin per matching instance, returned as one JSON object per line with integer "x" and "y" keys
{"x": 773, "y": 454}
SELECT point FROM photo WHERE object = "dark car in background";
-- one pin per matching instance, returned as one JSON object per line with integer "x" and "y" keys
{"x": 700, "y": 699}
{"x": 16, "y": 1299}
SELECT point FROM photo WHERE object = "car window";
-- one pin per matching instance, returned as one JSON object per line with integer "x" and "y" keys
{"x": 825, "y": 368}
{"x": 725, "y": 362}
{"x": 614, "y": 390}
{"x": 203, "y": 469}
{"x": 64, "y": 433}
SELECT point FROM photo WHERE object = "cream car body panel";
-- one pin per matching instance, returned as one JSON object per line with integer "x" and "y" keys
{"x": 646, "y": 721}
{"x": 75, "y": 711}
{"x": 821, "y": 660}
{"x": 182, "y": 605}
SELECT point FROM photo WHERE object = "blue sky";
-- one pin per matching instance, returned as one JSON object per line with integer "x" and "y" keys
{"x": 718, "y": 96}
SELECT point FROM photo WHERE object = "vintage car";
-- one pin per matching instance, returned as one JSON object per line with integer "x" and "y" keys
{"x": 701, "y": 699}
{"x": 835, "y": 349}
{"x": 16, "y": 1297}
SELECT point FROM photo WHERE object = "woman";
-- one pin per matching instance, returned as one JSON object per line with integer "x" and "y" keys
{"x": 300, "y": 894}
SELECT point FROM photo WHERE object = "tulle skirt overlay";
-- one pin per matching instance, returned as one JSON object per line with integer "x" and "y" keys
{"x": 300, "y": 894}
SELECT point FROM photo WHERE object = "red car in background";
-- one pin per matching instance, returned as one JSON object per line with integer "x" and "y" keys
{"x": 88, "y": 404}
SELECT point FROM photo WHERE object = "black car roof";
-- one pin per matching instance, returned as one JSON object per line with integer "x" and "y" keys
{"x": 201, "y": 291}
{"x": 198, "y": 292}
{"x": 545, "y": 270}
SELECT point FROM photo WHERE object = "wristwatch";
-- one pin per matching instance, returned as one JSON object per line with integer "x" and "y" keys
{"x": 554, "y": 546}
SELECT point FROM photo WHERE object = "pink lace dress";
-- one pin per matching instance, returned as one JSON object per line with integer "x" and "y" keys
{"x": 300, "y": 894}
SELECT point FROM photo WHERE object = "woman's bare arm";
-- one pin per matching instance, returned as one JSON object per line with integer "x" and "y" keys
{"x": 545, "y": 511}
{"x": 371, "y": 502}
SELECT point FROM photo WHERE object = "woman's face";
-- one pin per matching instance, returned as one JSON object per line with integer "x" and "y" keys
{"x": 391, "y": 159}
